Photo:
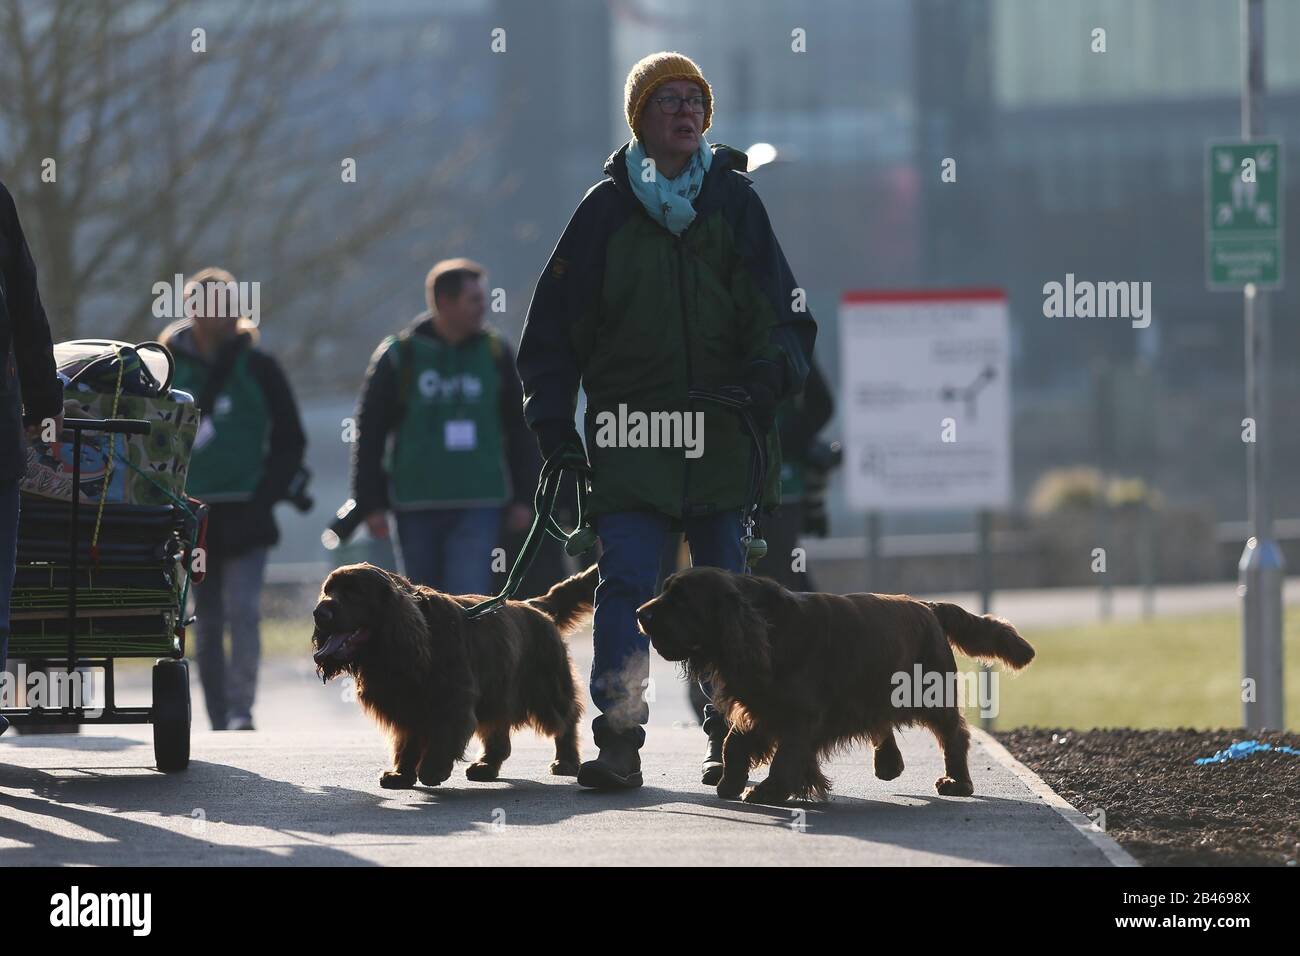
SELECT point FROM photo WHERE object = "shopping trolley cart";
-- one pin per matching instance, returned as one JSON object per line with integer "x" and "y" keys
{"x": 99, "y": 580}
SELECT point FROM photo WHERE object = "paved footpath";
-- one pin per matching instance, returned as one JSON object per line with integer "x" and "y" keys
{"x": 303, "y": 789}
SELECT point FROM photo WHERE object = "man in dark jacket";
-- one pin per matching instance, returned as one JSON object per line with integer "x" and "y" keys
{"x": 28, "y": 361}
{"x": 249, "y": 447}
{"x": 446, "y": 392}
{"x": 668, "y": 278}
{"x": 798, "y": 423}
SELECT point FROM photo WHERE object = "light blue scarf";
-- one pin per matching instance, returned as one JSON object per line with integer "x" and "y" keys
{"x": 668, "y": 201}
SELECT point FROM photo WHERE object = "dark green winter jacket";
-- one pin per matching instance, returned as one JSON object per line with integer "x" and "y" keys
{"x": 639, "y": 317}
{"x": 26, "y": 352}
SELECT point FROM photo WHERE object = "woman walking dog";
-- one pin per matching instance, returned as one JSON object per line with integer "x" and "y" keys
{"x": 667, "y": 278}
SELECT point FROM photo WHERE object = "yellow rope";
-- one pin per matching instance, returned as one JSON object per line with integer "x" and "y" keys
{"x": 108, "y": 471}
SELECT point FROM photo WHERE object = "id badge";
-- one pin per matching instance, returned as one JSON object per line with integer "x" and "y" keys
{"x": 460, "y": 435}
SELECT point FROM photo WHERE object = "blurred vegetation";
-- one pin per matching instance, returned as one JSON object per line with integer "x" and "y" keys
{"x": 1082, "y": 488}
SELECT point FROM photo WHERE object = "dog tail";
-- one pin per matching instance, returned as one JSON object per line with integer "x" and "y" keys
{"x": 570, "y": 600}
{"x": 982, "y": 636}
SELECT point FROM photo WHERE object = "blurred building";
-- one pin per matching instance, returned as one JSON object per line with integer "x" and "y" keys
{"x": 1067, "y": 161}
{"x": 1100, "y": 161}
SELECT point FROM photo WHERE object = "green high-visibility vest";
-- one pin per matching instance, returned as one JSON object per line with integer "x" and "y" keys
{"x": 449, "y": 449}
{"x": 792, "y": 472}
{"x": 792, "y": 481}
{"x": 228, "y": 465}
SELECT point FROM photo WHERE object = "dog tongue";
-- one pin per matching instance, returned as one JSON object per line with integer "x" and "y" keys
{"x": 338, "y": 645}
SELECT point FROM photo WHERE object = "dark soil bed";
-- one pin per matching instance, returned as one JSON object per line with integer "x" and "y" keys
{"x": 1161, "y": 805}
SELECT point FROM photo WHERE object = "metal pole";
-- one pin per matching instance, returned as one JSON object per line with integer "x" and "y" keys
{"x": 75, "y": 542}
{"x": 1260, "y": 569}
{"x": 1105, "y": 593}
{"x": 1147, "y": 553}
{"x": 986, "y": 560}
{"x": 1149, "y": 550}
{"x": 873, "y": 551}
{"x": 1104, "y": 435}
{"x": 986, "y": 591}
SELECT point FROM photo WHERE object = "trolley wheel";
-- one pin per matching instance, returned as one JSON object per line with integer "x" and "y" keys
{"x": 171, "y": 714}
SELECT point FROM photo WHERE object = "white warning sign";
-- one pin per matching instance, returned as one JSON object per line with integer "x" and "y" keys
{"x": 926, "y": 397}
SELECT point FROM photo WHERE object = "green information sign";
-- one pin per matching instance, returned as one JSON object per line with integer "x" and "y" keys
{"x": 1243, "y": 225}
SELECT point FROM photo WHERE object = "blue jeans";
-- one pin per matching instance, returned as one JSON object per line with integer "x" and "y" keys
{"x": 230, "y": 593}
{"x": 449, "y": 548}
{"x": 9, "y": 502}
{"x": 632, "y": 543}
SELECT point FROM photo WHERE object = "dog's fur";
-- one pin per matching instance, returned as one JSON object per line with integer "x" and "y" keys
{"x": 800, "y": 675}
{"x": 433, "y": 678}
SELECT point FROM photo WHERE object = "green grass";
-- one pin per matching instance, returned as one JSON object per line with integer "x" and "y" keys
{"x": 1176, "y": 671}
{"x": 286, "y": 638}
{"x": 282, "y": 638}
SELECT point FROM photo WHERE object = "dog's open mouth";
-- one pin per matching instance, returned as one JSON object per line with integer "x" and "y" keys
{"x": 340, "y": 648}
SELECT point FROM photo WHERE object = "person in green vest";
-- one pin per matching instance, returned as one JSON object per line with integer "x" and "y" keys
{"x": 798, "y": 422}
{"x": 441, "y": 437}
{"x": 249, "y": 446}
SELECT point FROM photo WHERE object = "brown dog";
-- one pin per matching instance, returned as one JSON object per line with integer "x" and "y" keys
{"x": 800, "y": 675}
{"x": 434, "y": 678}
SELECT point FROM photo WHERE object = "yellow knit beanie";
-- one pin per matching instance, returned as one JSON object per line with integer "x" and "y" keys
{"x": 653, "y": 71}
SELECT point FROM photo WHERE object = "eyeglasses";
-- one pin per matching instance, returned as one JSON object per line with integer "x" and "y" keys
{"x": 671, "y": 103}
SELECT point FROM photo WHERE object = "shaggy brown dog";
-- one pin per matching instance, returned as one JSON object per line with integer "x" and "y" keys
{"x": 800, "y": 675}
{"x": 434, "y": 678}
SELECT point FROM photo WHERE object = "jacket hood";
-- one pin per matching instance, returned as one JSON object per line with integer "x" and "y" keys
{"x": 422, "y": 324}
{"x": 179, "y": 335}
{"x": 724, "y": 158}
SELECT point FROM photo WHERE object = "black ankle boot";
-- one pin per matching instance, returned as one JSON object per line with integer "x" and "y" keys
{"x": 619, "y": 765}
{"x": 711, "y": 769}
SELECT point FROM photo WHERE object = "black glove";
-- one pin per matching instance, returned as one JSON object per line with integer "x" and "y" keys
{"x": 556, "y": 434}
{"x": 763, "y": 382}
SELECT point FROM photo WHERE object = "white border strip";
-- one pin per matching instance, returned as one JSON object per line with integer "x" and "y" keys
{"x": 1116, "y": 854}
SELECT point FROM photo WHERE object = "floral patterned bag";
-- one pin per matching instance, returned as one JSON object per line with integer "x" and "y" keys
{"x": 117, "y": 380}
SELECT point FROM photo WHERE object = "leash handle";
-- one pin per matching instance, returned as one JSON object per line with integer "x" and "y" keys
{"x": 544, "y": 523}
{"x": 737, "y": 398}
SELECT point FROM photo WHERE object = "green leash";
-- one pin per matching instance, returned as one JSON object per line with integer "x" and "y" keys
{"x": 583, "y": 538}
{"x": 736, "y": 398}
{"x": 580, "y": 541}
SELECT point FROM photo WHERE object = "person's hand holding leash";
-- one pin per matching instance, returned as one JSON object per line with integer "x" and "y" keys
{"x": 557, "y": 436}
{"x": 377, "y": 524}
{"x": 519, "y": 517}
